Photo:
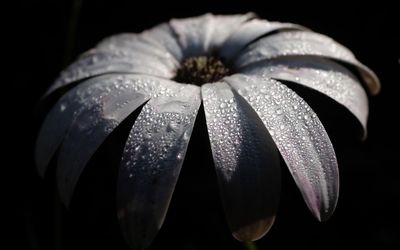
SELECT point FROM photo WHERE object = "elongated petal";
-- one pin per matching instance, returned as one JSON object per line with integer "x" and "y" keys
{"x": 158, "y": 41}
{"x": 205, "y": 34}
{"x": 194, "y": 34}
{"x": 298, "y": 43}
{"x": 122, "y": 96}
{"x": 246, "y": 161}
{"x": 164, "y": 35}
{"x": 322, "y": 75}
{"x": 152, "y": 160}
{"x": 223, "y": 27}
{"x": 60, "y": 117}
{"x": 300, "y": 137}
{"x": 97, "y": 62}
{"x": 78, "y": 100}
{"x": 250, "y": 31}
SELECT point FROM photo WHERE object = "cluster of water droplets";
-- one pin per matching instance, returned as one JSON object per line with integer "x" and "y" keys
{"x": 322, "y": 75}
{"x": 236, "y": 138}
{"x": 298, "y": 134}
{"x": 98, "y": 62}
{"x": 63, "y": 114}
{"x": 291, "y": 44}
{"x": 225, "y": 126}
{"x": 154, "y": 52}
{"x": 96, "y": 111}
{"x": 159, "y": 138}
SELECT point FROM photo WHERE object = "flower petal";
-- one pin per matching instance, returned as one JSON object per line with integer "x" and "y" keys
{"x": 203, "y": 35}
{"x": 164, "y": 35}
{"x": 322, "y": 75}
{"x": 159, "y": 41}
{"x": 122, "y": 96}
{"x": 152, "y": 160}
{"x": 250, "y": 31}
{"x": 223, "y": 27}
{"x": 131, "y": 45}
{"x": 297, "y": 43}
{"x": 80, "y": 99}
{"x": 300, "y": 138}
{"x": 246, "y": 161}
{"x": 101, "y": 61}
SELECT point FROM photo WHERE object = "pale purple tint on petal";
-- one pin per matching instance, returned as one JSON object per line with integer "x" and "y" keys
{"x": 322, "y": 75}
{"x": 246, "y": 161}
{"x": 300, "y": 138}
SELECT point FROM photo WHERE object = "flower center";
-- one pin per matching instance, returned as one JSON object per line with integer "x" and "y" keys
{"x": 200, "y": 70}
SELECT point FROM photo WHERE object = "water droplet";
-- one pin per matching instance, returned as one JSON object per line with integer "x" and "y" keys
{"x": 172, "y": 126}
{"x": 243, "y": 92}
{"x": 222, "y": 105}
{"x": 62, "y": 107}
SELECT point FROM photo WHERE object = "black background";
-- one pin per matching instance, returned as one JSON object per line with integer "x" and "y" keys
{"x": 43, "y": 40}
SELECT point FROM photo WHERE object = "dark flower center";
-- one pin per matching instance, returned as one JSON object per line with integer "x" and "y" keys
{"x": 200, "y": 70}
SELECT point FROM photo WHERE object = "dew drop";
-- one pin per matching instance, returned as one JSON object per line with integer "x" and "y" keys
{"x": 63, "y": 107}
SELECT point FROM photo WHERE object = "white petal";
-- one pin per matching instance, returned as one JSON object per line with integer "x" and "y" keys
{"x": 204, "y": 35}
{"x": 152, "y": 160}
{"x": 250, "y": 31}
{"x": 223, "y": 26}
{"x": 246, "y": 161}
{"x": 194, "y": 34}
{"x": 165, "y": 37}
{"x": 78, "y": 100}
{"x": 300, "y": 138}
{"x": 122, "y": 95}
{"x": 322, "y": 75}
{"x": 299, "y": 43}
{"x": 97, "y": 62}
{"x": 131, "y": 44}
{"x": 159, "y": 41}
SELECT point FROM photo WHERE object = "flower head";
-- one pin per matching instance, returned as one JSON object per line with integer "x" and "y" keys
{"x": 232, "y": 65}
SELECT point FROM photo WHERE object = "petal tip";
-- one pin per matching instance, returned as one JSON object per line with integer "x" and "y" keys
{"x": 254, "y": 231}
{"x": 323, "y": 215}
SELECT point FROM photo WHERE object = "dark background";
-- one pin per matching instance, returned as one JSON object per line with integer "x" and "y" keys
{"x": 45, "y": 36}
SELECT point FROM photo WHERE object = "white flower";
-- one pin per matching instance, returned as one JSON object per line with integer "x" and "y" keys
{"x": 250, "y": 116}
